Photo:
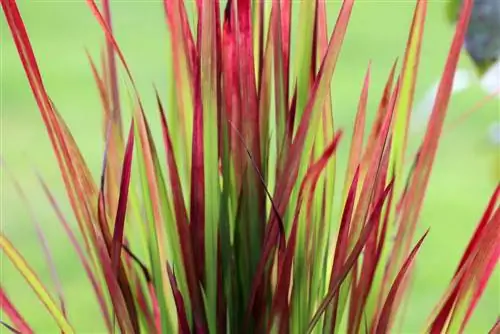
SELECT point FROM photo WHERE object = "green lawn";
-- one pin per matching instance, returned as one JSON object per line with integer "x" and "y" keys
{"x": 462, "y": 181}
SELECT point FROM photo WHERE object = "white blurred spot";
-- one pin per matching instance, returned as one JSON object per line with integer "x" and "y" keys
{"x": 494, "y": 133}
{"x": 490, "y": 81}
{"x": 421, "y": 114}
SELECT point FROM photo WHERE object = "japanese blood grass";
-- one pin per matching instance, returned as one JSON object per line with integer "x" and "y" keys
{"x": 235, "y": 219}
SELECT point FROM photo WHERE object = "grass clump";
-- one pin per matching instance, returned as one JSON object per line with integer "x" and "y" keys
{"x": 227, "y": 223}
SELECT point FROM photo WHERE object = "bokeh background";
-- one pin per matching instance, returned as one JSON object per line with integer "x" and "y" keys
{"x": 465, "y": 173}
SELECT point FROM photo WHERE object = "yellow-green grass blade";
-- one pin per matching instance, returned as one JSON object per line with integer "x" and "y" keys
{"x": 155, "y": 226}
{"x": 29, "y": 275}
{"x": 406, "y": 92}
{"x": 209, "y": 94}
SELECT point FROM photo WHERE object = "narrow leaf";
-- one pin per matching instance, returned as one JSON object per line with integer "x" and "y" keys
{"x": 17, "y": 319}
{"x": 383, "y": 324}
{"x": 122, "y": 201}
{"x": 28, "y": 274}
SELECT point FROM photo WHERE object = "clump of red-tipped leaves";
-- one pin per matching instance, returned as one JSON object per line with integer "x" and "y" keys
{"x": 234, "y": 207}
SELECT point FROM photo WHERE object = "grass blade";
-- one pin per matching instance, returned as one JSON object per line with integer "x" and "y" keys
{"x": 341, "y": 249}
{"x": 496, "y": 328}
{"x": 28, "y": 274}
{"x": 207, "y": 37}
{"x": 474, "y": 270}
{"x": 112, "y": 75}
{"x": 179, "y": 302}
{"x": 122, "y": 202}
{"x": 279, "y": 304}
{"x": 20, "y": 324}
{"x": 182, "y": 221}
{"x": 127, "y": 322}
{"x": 286, "y": 180}
{"x": 421, "y": 175}
{"x": 383, "y": 324}
{"x": 157, "y": 241}
{"x": 351, "y": 259}
{"x": 43, "y": 242}
{"x": 81, "y": 255}
{"x": 184, "y": 63}
{"x": 359, "y": 129}
{"x": 407, "y": 90}
{"x": 197, "y": 202}
{"x": 9, "y": 327}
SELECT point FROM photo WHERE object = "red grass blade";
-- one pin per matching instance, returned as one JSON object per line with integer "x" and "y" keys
{"x": 142, "y": 305}
{"x": 249, "y": 106}
{"x": 496, "y": 328}
{"x": 383, "y": 323}
{"x": 363, "y": 281}
{"x": 81, "y": 255}
{"x": 101, "y": 86}
{"x": 197, "y": 202}
{"x": 184, "y": 44}
{"x": 420, "y": 180}
{"x": 473, "y": 272}
{"x": 374, "y": 168}
{"x": 70, "y": 161}
{"x": 286, "y": 19}
{"x": 386, "y": 100}
{"x": 184, "y": 63}
{"x": 209, "y": 142}
{"x": 68, "y": 156}
{"x": 318, "y": 92}
{"x": 122, "y": 202}
{"x": 285, "y": 268}
{"x": 487, "y": 215}
{"x": 231, "y": 93}
{"x": 179, "y": 303}
{"x": 43, "y": 240}
{"x": 34, "y": 283}
{"x": 126, "y": 321}
{"x": 112, "y": 75}
{"x": 111, "y": 40}
{"x": 149, "y": 313}
{"x": 17, "y": 319}
{"x": 286, "y": 179}
{"x": 279, "y": 25}
{"x": 158, "y": 224}
{"x": 484, "y": 268}
{"x": 240, "y": 91}
{"x": 9, "y": 327}
{"x": 351, "y": 259}
{"x": 185, "y": 237}
{"x": 342, "y": 245}
{"x": 103, "y": 219}
{"x": 107, "y": 241}
{"x": 359, "y": 129}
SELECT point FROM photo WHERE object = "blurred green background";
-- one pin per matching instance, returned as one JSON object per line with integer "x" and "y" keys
{"x": 465, "y": 173}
